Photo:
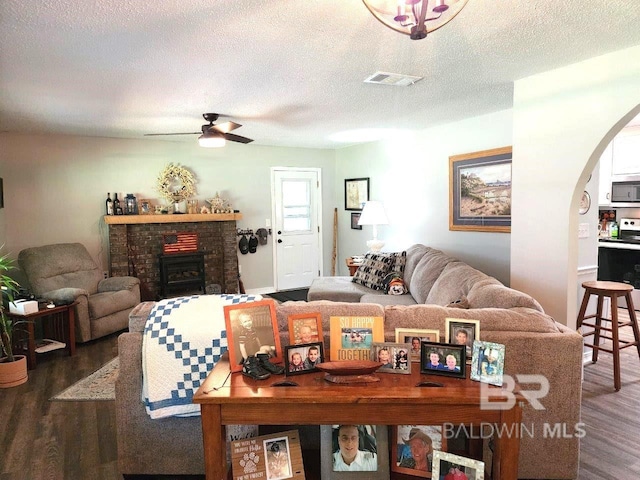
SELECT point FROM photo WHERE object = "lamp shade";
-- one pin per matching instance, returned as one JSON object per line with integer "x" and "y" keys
{"x": 373, "y": 214}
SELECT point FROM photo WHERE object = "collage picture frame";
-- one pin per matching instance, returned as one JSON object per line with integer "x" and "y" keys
{"x": 393, "y": 356}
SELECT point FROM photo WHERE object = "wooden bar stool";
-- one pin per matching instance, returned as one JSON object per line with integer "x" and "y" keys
{"x": 613, "y": 290}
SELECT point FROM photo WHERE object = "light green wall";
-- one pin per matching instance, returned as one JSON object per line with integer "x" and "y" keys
{"x": 55, "y": 187}
{"x": 563, "y": 121}
{"x": 410, "y": 175}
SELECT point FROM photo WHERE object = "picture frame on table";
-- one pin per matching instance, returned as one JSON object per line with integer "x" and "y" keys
{"x": 487, "y": 362}
{"x": 252, "y": 328}
{"x": 462, "y": 467}
{"x": 406, "y": 439}
{"x": 443, "y": 359}
{"x": 355, "y": 218}
{"x": 480, "y": 191}
{"x": 461, "y": 331}
{"x": 373, "y": 440}
{"x": 393, "y": 356}
{"x": 356, "y": 193}
{"x": 305, "y": 328}
{"x": 415, "y": 337}
{"x": 308, "y": 354}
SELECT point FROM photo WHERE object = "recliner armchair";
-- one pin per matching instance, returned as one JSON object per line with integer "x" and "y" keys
{"x": 66, "y": 272}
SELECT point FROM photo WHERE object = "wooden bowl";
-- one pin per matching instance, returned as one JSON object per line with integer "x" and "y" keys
{"x": 349, "y": 367}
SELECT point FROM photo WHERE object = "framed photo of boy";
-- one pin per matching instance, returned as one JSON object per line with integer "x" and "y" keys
{"x": 303, "y": 358}
{"x": 461, "y": 331}
{"x": 412, "y": 448}
{"x": 487, "y": 362}
{"x": 371, "y": 457}
{"x": 393, "y": 356}
{"x": 305, "y": 328}
{"x": 251, "y": 329}
{"x": 480, "y": 191}
{"x": 443, "y": 359}
{"x": 448, "y": 465}
{"x": 415, "y": 337}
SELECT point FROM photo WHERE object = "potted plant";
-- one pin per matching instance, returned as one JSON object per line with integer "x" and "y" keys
{"x": 13, "y": 368}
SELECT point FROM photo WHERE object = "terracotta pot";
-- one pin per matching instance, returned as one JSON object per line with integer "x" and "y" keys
{"x": 14, "y": 373}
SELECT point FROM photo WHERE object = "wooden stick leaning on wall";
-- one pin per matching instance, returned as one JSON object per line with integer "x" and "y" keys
{"x": 335, "y": 242}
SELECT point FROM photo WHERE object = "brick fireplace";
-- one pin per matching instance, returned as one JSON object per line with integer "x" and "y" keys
{"x": 136, "y": 241}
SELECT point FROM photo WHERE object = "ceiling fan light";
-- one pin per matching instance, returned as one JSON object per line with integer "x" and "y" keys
{"x": 211, "y": 141}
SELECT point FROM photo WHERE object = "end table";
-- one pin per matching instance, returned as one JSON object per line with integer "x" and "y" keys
{"x": 58, "y": 323}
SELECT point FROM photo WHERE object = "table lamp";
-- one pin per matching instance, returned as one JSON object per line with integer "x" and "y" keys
{"x": 373, "y": 214}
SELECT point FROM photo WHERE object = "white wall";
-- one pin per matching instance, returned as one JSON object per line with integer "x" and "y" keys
{"x": 55, "y": 187}
{"x": 410, "y": 174}
{"x": 563, "y": 120}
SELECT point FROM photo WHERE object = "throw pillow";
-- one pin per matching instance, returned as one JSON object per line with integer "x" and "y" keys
{"x": 375, "y": 267}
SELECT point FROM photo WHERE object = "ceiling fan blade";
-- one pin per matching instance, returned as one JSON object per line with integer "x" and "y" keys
{"x": 237, "y": 138}
{"x": 225, "y": 127}
{"x": 182, "y": 133}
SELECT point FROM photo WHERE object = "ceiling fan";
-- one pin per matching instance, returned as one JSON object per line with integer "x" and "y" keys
{"x": 212, "y": 135}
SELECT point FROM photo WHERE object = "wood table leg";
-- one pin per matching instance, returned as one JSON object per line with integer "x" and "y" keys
{"x": 31, "y": 345}
{"x": 507, "y": 445}
{"x": 215, "y": 445}
{"x": 616, "y": 342}
{"x": 71, "y": 331}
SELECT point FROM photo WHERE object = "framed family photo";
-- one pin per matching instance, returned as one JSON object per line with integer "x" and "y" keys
{"x": 461, "y": 331}
{"x": 447, "y": 465}
{"x": 480, "y": 191}
{"x": 443, "y": 359}
{"x": 412, "y": 448}
{"x": 356, "y": 193}
{"x": 487, "y": 362}
{"x": 303, "y": 358}
{"x": 415, "y": 337}
{"x": 393, "y": 356}
{"x": 305, "y": 328}
{"x": 355, "y": 218}
{"x": 336, "y": 451}
{"x": 251, "y": 329}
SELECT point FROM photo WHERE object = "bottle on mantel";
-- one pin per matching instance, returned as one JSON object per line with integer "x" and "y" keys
{"x": 109, "y": 204}
{"x": 117, "y": 210}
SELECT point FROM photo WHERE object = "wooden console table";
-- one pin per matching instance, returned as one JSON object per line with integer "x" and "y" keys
{"x": 58, "y": 323}
{"x": 395, "y": 400}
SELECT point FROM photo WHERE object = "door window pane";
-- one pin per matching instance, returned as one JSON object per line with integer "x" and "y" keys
{"x": 296, "y": 207}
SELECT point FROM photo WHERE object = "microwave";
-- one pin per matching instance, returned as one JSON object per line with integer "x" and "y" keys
{"x": 627, "y": 192}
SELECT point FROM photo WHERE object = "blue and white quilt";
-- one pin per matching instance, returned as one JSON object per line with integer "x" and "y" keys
{"x": 184, "y": 338}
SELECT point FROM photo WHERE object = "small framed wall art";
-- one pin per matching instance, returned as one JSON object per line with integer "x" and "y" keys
{"x": 355, "y": 218}
{"x": 356, "y": 193}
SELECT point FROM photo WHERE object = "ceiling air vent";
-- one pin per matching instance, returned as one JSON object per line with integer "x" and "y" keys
{"x": 397, "y": 79}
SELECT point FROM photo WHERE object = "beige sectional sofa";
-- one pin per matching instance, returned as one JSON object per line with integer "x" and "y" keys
{"x": 535, "y": 344}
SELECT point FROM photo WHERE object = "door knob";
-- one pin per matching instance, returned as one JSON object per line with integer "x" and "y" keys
{"x": 279, "y": 241}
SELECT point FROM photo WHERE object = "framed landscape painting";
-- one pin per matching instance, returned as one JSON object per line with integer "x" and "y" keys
{"x": 480, "y": 191}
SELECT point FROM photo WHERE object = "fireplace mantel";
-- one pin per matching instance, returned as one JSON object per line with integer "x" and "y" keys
{"x": 171, "y": 218}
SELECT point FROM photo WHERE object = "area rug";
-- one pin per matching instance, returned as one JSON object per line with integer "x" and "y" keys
{"x": 299, "y": 295}
{"x": 100, "y": 385}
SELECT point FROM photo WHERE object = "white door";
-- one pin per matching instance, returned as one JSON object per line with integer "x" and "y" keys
{"x": 296, "y": 212}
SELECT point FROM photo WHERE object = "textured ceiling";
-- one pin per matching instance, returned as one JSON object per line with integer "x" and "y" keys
{"x": 291, "y": 71}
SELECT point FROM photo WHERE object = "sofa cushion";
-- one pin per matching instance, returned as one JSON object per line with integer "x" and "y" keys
{"x": 376, "y": 266}
{"x": 426, "y": 273}
{"x": 336, "y": 289}
{"x": 414, "y": 255}
{"x": 486, "y": 295}
{"x": 384, "y": 299}
{"x": 454, "y": 282}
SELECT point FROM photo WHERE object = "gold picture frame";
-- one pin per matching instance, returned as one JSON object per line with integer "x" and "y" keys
{"x": 480, "y": 191}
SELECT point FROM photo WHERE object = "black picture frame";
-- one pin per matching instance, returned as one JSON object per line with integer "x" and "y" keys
{"x": 356, "y": 193}
{"x": 443, "y": 350}
{"x": 303, "y": 350}
{"x": 355, "y": 218}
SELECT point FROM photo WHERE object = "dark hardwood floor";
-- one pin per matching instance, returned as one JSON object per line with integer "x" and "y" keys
{"x": 40, "y": 439}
